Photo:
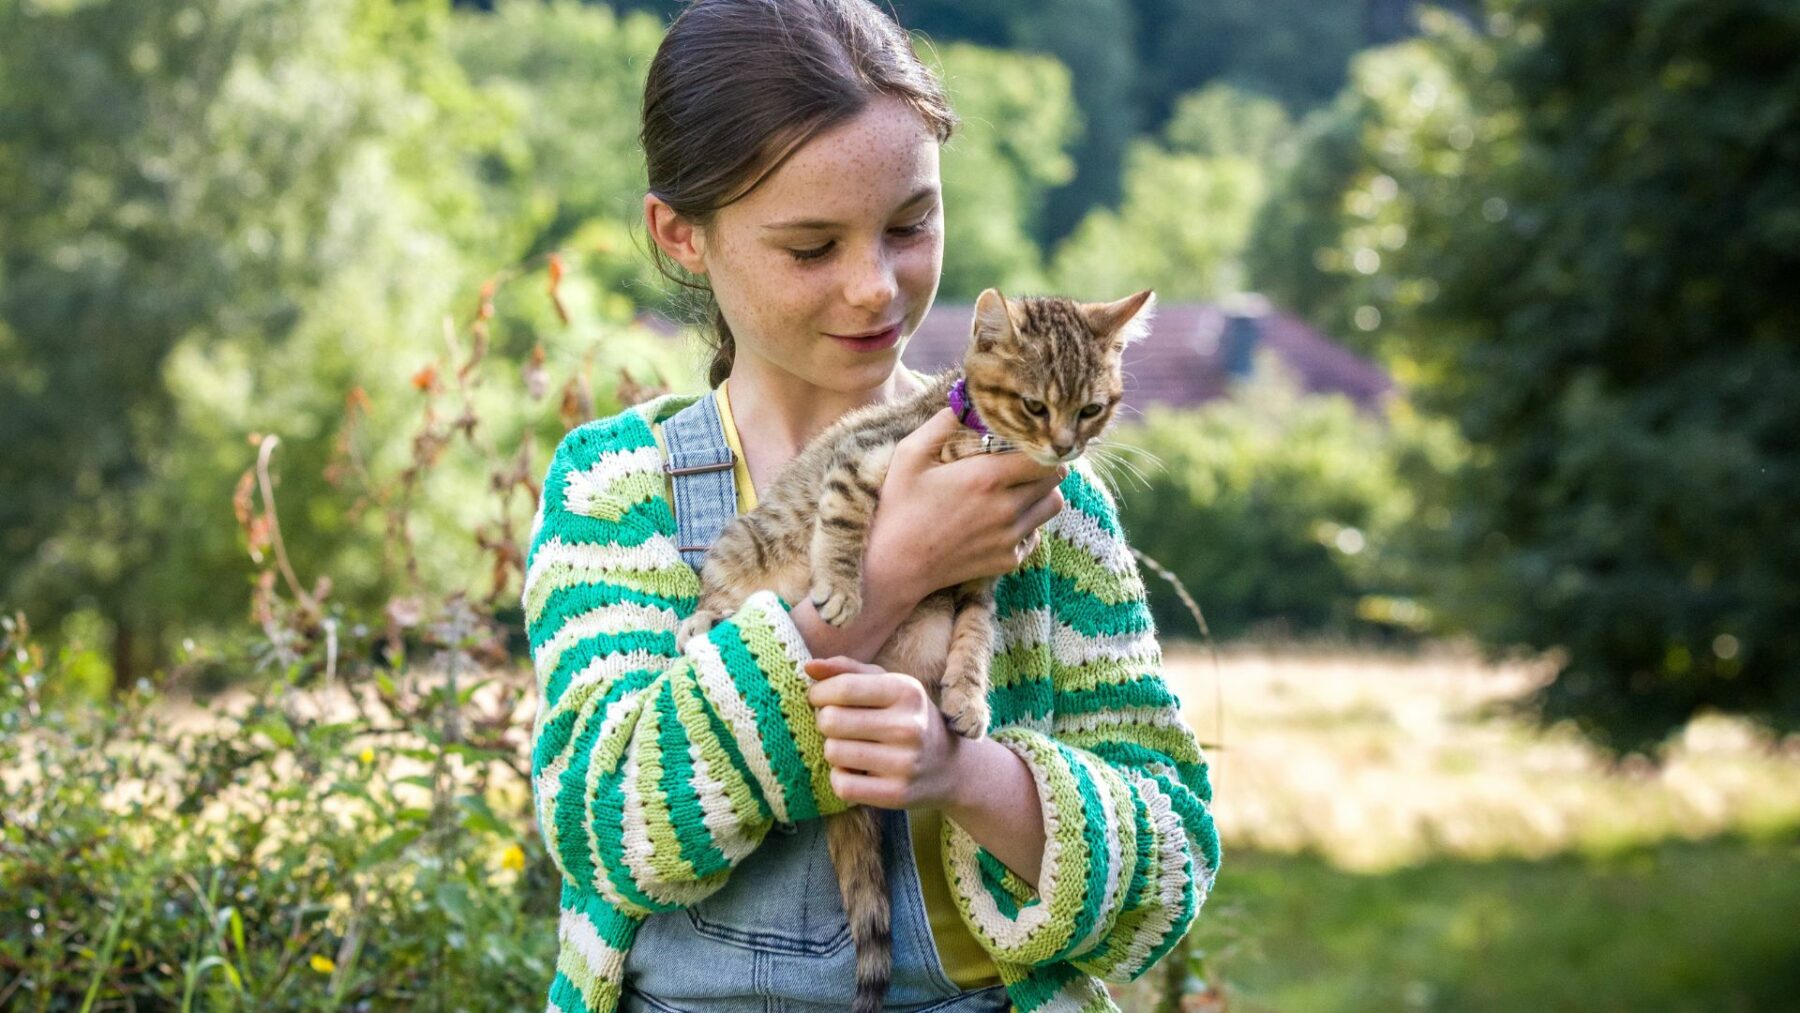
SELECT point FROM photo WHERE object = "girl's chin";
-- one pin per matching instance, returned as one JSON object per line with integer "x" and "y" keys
{"x": 863, "y": 371}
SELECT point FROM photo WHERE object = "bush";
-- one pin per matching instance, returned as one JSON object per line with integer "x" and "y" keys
{"x": 1281, "y": 512}
{"x": 270, "y": 859}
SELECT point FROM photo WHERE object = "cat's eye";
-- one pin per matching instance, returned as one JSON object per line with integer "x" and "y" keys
{"x": 1035, "y": 407}
{"x": 1090, "y": 411}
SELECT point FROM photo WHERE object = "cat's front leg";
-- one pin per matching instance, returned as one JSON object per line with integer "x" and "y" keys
{"x": 849, "y": 494}
{"x": 697, "y": 625}
{"x": 735, "y": 566}
{"x": 963, "y": 693}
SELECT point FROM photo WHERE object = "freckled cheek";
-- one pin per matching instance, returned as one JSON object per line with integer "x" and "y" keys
{"x": 918, "y": 270}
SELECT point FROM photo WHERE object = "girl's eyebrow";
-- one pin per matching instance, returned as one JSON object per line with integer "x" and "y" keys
{"x": 923, "y": 192}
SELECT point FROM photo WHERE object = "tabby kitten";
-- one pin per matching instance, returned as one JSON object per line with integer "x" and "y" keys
{"x": 1042, "y": 375}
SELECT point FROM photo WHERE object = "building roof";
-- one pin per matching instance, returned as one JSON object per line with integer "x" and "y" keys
{"x": 1187, "y": 358}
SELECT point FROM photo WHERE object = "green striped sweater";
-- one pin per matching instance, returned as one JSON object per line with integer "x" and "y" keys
{"x": 655, "y": 771}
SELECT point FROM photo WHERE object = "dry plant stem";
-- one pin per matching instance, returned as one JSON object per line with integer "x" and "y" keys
{"x": 263, "y": 452}
{"x": 1211, "y": 644}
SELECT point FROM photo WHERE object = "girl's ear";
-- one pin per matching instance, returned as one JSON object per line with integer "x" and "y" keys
{"x": 993, "y": 321}
{"x": 683, "y": 241}
{"x": 1126, "y": 320}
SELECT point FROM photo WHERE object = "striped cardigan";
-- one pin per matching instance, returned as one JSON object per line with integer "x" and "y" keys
{"x": 655, "y": 771}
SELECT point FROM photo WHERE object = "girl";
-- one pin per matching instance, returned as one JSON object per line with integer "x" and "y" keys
{"x": 792, "y": 153}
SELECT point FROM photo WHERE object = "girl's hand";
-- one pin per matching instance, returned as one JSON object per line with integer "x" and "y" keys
{"x": 886, "y": 741}
{"x": 938, "y": 525}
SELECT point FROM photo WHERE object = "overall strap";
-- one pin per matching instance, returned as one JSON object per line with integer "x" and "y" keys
{"x": 700, "y": 468}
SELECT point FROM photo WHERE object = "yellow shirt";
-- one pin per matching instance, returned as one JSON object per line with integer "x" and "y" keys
{"x": 967, "y": 964}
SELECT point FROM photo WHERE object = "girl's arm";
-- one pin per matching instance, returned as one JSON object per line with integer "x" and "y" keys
{"x": 1131, "y": 849}
{"x": 654, "y": 771}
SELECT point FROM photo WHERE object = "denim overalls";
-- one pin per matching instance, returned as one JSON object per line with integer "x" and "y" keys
{"x": 774, "y": 938}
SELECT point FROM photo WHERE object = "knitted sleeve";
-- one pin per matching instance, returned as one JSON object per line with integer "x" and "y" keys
{"x": 654, "y": 771}
{"x": 1130, "y": 849}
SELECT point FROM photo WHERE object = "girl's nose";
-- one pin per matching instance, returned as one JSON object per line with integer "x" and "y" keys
{"x": 873, "y": 287}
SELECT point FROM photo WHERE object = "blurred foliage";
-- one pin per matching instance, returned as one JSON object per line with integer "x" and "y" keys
{"x": 1189, "y": 204}
{"x": 571, "y": 76}
{"x": 236, "y": 221}
{"x": 1018, "y": 117}
{"x": 1571, "y": 231}
{"x": 1133, "y": 60}
{"x": 1364, "y": 197}
{"x": 204, "y": 202}
{"x": 1282, "y": 513}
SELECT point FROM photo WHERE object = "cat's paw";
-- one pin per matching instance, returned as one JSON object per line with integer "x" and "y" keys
{"x": 968, "y": 716}
{"x": 837, "y": 603}
{"x": 697, "y": 625}
{"x": 963, "y": 698}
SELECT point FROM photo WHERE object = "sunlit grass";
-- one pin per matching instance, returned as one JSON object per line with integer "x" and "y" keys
{"x": 1373, "y": 761}
{"x": 1399, "y": 837}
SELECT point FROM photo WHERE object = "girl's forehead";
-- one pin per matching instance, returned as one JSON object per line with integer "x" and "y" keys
{"x": 865, "y": 166}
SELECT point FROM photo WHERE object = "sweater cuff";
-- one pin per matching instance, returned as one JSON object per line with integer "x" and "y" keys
{"x": 749, "y": 668}
{"x": 1090, "y": 852}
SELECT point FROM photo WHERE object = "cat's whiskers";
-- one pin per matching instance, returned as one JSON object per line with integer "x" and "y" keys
{"x": 1110, "y": 459}
{"x": 1142, "y": 452}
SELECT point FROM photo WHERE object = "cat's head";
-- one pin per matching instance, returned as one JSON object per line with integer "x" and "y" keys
{"x": 1044, "y": 372}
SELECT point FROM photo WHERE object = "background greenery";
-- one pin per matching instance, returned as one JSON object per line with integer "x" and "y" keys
{"x": 389, "y": 247}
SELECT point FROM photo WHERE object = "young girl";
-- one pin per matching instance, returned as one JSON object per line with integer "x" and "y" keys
{"x": 792, "y": 150}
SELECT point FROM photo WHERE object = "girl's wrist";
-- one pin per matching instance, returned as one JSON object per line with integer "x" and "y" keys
{"x": 893, "y": 573}
{"x": 862, "y": 637}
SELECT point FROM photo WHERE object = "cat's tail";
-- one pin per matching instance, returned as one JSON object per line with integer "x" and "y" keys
{"x": 854, "y": 839}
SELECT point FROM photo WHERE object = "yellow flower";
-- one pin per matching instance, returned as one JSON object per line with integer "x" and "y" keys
{"x": 367, "y": 756}
{"x": 513, "y": 858}
{"x": 323, "y": 964}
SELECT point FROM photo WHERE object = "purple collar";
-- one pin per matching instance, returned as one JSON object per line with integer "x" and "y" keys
{"x": 963, "y": 407}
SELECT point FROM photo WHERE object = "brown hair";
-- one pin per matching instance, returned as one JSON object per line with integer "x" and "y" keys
{"x": 739, "y": 85}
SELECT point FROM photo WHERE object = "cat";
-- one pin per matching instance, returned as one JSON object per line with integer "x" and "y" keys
{"x": 1040, "y": 375}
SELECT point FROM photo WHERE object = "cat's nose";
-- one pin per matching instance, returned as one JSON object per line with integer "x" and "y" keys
{"x": 1062, "y": 449}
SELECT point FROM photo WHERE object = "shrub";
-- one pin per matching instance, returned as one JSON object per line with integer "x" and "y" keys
{"x": 1281, "y": 512}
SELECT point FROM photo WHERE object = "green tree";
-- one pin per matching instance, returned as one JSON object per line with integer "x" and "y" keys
{"x": 1188, "y": 208}
{"x": 1364, "y": 198}
{"x": 1601, "y": 241}
{"x": 571, "y": 75}
{"x": 258, "y": 189}
{"x": 1093, "y": 38}
{"x": 1018, "y": 118}
{"x": 1624, "y": 343}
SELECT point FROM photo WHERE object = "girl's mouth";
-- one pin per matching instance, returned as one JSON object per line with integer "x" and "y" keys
{"x": 876, "y": 342}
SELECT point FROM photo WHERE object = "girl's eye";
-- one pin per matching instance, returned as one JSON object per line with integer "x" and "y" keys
{"x": 1090, "y": 411}
{"x": 1035, "y": 407}
{"x": 915, "y": 228}
{"x": 813, "y": 254}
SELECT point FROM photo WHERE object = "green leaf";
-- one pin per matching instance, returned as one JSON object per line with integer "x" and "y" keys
{"x": 479, "y": 817}
{"x": 276, "y": 728}
{"x": 388, "y": 847}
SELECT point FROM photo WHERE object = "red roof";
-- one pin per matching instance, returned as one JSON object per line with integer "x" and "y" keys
{"x": 1184, "y": 359}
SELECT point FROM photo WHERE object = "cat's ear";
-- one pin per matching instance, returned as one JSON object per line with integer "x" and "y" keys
{"x": 993, "y": 322}
{"x": 1126, "y": 320}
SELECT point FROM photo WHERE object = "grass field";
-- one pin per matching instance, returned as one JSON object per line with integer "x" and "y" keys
{"x": 1398, "y": 837}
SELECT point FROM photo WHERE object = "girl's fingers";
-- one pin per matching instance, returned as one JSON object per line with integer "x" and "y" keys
{"x": 927, "y": 441}
{"x": 821, "y": 668}
{"x": 866, "y": 789}
{"x": 870, "y": 757}
{"x": 1039, "y": 513}
{"x": 857, "y": 689}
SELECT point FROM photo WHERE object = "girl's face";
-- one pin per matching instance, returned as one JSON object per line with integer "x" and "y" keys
{"x": 826, "y": 268}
